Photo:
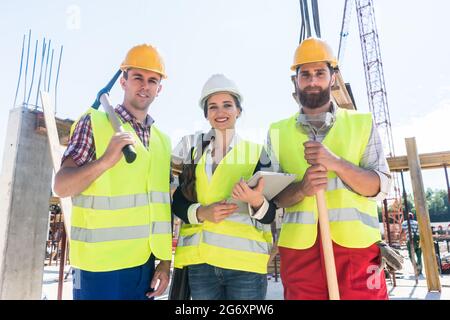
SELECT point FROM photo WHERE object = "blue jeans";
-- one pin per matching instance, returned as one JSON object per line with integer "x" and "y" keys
{"x": 125, "y": 284}
{"x": 213, "y": 283}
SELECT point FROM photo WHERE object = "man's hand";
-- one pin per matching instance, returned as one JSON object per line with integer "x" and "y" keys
{"x": 315, "y": 179}
{"x": 160, "y": 279}
{"x": 316, "y": 153}
{"x": 252, "y": 196}
{"x": 113, "y": 152}
{"x": 216, "y": 212}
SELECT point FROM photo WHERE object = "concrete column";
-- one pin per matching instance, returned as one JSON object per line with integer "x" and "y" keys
{"x": 25, "y": 188}
{"x": 423, "y": 217}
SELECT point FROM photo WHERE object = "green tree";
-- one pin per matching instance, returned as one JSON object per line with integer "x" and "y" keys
{"x": 438, "y": 206}
{"x": 411, "y": 206}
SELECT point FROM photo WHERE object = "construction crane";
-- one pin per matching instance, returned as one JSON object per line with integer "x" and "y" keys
{"x": 377, "y": 97}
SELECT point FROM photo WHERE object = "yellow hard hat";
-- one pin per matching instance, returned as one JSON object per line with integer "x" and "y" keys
{"x": 145, "y": 57}
{"x": 313, "y": 50}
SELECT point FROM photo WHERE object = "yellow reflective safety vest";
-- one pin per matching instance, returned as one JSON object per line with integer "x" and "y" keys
{"x": 353, "y": 218}
{"x": 238, "y": 242}
{"x": 124, "y": 215}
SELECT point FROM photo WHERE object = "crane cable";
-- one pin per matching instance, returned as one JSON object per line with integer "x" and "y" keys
{"x": 305, "y": 29}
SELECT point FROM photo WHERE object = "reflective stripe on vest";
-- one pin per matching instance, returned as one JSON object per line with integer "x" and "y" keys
{"x": 244, "y": 218}
{"x": 161, "y": 227}
{"x": 109, "y": 234}
{"x": 120, "y": 202}
{"x": 235, "y": 243}
{"x": 224, "y": 241}
{"x": 335, "y": 215}
{"x": 119, "y": 233}
{"x": 299, "y": 218}
{"x": 352, "y": 214}
{"x": 192, "y": 240}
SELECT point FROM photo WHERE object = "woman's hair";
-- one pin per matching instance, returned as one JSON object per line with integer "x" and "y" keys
{"x": 187, "y": 175}
{"x": 236, "y": 102}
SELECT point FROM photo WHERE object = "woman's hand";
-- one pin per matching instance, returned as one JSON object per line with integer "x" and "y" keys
{"x": 252, "y": 196}
{"x": 216, "y": 212}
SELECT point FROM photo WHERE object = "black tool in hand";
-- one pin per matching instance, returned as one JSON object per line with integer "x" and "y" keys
{"x": 103, "y": 99}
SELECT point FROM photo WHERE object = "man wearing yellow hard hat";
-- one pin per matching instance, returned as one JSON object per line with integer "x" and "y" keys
{"x": 121, "y": 216}
{"x": 338, "y": 151}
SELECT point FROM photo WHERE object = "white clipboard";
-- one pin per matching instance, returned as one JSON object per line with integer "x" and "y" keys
{"x": 274, "y": 182}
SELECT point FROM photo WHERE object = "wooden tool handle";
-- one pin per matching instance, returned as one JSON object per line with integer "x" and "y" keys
{"x": 327, "y": 245}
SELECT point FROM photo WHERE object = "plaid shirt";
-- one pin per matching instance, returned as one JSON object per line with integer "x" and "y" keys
{"x": 81, "y": 146}
{"x": 414, "y": 228}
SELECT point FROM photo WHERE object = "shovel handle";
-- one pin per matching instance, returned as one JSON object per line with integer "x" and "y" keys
{"x": 327, "y": 245}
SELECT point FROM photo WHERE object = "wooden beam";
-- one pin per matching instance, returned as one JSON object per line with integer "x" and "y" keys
{"x": 62, "y": 126}
{"x": 427, "y": 161}
{"x": 56, "y": 151}
{"x": 340, "y": 94}
{"x": 423, "y": 217}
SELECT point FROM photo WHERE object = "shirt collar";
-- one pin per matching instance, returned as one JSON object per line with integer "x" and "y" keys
{"x": 317, "y": 123}
{"x": 126, "y": 116}
{"x": 234, "y": 141}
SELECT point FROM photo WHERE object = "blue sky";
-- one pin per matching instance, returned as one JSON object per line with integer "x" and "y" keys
{"x": 251, "y": 42}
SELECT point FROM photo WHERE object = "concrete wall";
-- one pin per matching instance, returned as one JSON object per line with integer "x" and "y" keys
{"x": 25, "y": 188}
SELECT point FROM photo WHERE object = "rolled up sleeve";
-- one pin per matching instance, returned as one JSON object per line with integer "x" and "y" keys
{"x": 375, "y": 160}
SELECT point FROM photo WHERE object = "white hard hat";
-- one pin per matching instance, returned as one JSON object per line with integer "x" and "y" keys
{"x": 219, "y": 83}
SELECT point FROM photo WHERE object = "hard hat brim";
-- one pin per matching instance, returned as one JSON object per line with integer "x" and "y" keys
{"x": 126, "y": 67}
{"x": 231, "y": 91}
{"x": 333, "y": 64}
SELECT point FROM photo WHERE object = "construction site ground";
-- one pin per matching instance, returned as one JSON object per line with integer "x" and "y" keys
{"x": 405, "y": 289}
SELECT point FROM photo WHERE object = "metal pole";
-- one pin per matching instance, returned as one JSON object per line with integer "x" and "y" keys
{"x": 26, "y": 69}
{"x": 411, "y": 242}
{"x": 57, "y": 78}
{"x": 59, "y": 237}
{"x": 20, "y": 71}
{"x": 50, "y": 72}
{"x": 51, "y": 241}
{"x": 388, "y": 230}
{"x": 448, "y": 184}
{"x": 386, "y": 217}
{"x": 62, "y": 264}
{"x": 32, "y": 74}
{"x": 276, "y": 267}
{"x": 44, "y": 44}
{"x": 46, "y": 64}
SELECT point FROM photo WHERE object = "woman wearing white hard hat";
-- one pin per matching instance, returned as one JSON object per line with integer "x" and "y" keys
{"x": 225, "y": 240}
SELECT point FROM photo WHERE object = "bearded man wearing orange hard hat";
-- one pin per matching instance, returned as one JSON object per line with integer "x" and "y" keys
{"x": 121, "y": 220}
{"x": 337, "y": 152}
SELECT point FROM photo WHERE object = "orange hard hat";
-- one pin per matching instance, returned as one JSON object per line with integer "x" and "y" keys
{"x": 313, "y": 50}
{"x": 146, "y": 57}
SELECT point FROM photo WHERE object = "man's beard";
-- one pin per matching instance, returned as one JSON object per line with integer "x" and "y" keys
{"x": 314, "y": 100}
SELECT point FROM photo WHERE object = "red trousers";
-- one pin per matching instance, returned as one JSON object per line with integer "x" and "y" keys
{"x": 303, "y": 273}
